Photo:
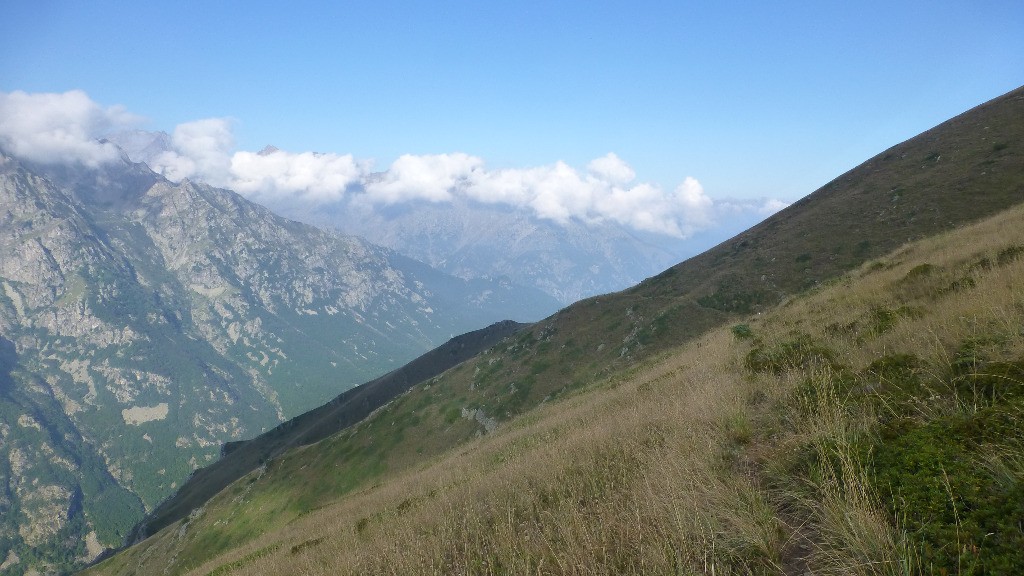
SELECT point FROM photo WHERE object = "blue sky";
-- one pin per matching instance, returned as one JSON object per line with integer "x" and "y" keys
{"x": 751, "y": 99}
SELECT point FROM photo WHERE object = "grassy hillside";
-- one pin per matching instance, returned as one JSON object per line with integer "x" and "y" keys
{"x": 706, "y": 455}
{"x": 869, "y": 426}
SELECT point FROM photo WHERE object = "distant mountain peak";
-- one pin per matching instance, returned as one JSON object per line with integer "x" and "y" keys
{"x": 141, "y": 145}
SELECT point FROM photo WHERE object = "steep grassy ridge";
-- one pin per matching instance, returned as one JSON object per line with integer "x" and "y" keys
{"x": 870, "y": 426}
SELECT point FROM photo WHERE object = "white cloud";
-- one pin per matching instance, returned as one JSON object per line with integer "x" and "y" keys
{"x": 208, "y": 144}
{"x": 555, "y": 192}
{"x": 173, "y": 166}
{"x": 643, "y": 207}
{"x": 59, "y": 128}
{"x": 612, "y": 169}
{"x": 560, "y": 193}
{"x": 201, "y": 150}
{"x": 694, "y": 203}
{"x": 308, "y": 177}
{"x": 432, "y": 177}
{"x": 761, "y": 206}
{"x": 771, "y": 206}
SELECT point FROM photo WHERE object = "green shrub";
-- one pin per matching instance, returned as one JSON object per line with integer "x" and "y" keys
{"x": 895, "y": 368}
{"x": 920, "y": 271}
{"x": 802, "y": 352}
{"x": 1009, "y": 254}
{"x": 965, "y": 518}
{"x": 992, "y": 381}
{"x": 742, "y": 332}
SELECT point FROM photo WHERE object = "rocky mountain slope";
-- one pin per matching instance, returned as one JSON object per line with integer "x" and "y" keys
{"x": 569, "y": 261}
{"x": 145, "y": 323}
{"x": 961, "y": 171}
{"x": 239, "y": 458}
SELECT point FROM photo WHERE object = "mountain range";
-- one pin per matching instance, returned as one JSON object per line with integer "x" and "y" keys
{"x": 569, "y": 260}
{"x": 144, "y": 323}
{"x": 787, "y": 401}
{"x": 150, "y": 328}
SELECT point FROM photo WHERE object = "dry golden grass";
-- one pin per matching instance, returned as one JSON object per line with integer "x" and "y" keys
{"x": 604, "y": 482}
{"x": 686, "y": 464}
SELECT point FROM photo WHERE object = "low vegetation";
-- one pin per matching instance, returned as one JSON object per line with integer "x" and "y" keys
{"x": 869, "y": 426}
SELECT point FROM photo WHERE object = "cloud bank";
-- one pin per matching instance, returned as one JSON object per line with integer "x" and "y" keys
{"x": 606, "y": 191}
{"x": 68, "y": 127}
{"x": 60, "y": 128}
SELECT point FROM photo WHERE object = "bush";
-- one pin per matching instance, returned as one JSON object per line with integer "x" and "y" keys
{"x": 742, "y": 332}
{"x": 801, "y": 352}
{"x": 965, "y": 518}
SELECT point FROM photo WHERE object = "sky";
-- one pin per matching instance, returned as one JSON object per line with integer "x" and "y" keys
{"x": 624, "y": 104}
